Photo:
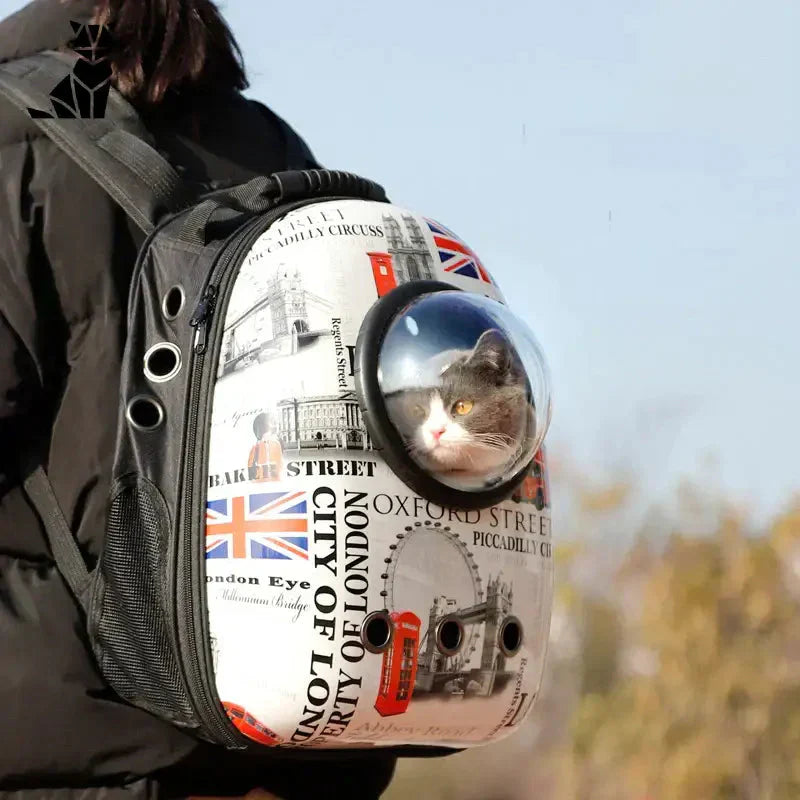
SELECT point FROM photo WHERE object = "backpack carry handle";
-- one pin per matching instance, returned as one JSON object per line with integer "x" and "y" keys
{"x": 298, "y": 184}
{"x": 264, "y": 192}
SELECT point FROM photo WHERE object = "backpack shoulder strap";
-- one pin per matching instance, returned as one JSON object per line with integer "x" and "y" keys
{"x": 63, "y": 544}
{"x": 116, "y": 151}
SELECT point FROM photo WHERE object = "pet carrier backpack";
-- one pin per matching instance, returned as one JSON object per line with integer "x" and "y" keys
{"x": 295, "y": 555}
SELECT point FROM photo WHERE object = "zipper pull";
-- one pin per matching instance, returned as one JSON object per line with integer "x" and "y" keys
{"x": 201, "y": 318}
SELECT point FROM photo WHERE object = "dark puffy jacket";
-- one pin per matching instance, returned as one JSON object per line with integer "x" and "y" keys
{"x": 66, "y": 255}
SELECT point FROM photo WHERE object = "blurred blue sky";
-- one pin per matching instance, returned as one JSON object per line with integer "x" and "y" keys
{"x": 628, "y": 171}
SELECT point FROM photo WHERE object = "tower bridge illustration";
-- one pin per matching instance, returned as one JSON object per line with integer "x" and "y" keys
{"x": 457, "y": 675}
{"x": 284, "y": 317}
{"x": 432, "y": 553}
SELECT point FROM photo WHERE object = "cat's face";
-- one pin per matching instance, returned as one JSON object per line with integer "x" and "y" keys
{"x": 476, "y": 420}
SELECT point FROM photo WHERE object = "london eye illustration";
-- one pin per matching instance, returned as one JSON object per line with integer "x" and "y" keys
{"x": 430, "y": 572}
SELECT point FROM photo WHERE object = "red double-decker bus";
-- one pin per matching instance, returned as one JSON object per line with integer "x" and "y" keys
{"x": 534, "y": 488}
{"x": 249, "y": 725}
{"x": 399, "y": 669}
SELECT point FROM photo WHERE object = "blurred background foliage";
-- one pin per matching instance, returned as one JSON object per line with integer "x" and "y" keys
{"x": 674, "y": 661}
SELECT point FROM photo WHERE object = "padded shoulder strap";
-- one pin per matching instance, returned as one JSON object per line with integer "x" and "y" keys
{"x": 116, "y": 151}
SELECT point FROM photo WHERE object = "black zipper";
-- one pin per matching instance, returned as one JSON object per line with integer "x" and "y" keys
{"x": 213, "y": 719}
{"x": 211, "y": 714}
{"x": 201, "y": 318}
{"x": 191, "y": 601}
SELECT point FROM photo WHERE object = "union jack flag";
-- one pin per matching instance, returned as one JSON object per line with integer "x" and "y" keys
{"x": 262, "y": 525}
{"x": 455, "y": 256}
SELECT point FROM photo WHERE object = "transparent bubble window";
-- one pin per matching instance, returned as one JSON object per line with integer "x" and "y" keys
{"x": 465, "y": 386}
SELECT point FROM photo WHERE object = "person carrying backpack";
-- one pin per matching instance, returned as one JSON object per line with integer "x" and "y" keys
{"x": 67, "y": 254}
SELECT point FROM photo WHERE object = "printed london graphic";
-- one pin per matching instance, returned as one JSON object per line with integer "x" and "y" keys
{"x": 399, "y": 665}
{"x": 534, "y": 488}
{"x": 257, "y": 526}
{"x": 432, "y": 573}
{"x": 407, "y": 256}
{"x": 265, "y": 459}
{"x": 455, "y": 256}
{"x": 308, "y": 531}
{"x": 249, "y": 725}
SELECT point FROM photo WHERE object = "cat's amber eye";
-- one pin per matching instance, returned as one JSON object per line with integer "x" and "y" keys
{"x": 418, "y": 411}
{"x": 463, "y": 407}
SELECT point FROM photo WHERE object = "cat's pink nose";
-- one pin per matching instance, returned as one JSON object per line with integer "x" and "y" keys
{"x": 437, "y": 433}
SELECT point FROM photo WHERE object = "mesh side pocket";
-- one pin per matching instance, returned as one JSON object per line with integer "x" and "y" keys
{"x": 131, "y": 631}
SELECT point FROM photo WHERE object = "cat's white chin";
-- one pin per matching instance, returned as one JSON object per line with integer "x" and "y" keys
{"x": 467, "y": 460}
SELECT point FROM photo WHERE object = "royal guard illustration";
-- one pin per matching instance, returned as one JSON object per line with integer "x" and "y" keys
{"x": 399, "y": 668}
{"x": 249, "y": 725}
{"x": 266, "y": 456}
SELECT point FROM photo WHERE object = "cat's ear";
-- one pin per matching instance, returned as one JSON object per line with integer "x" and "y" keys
{"x": 493, "y": 352}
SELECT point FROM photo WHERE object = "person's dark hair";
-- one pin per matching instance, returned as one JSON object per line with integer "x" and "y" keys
{"x": 165, "y": 45}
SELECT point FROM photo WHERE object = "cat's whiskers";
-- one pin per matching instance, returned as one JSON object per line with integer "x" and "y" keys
{"x": 492, "y": 441}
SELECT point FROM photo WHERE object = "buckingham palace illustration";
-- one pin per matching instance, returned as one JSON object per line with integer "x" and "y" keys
{"x": 326, "y": 421}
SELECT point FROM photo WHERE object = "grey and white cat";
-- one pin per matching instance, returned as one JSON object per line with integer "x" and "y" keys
{"x": 476, "y": 421}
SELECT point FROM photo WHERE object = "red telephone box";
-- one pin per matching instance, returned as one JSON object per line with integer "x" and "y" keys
{"x": 383, "y": 272}
{"x": 399, "y": 669}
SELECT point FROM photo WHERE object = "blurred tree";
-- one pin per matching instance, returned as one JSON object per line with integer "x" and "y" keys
{"x": 706, "y": 702}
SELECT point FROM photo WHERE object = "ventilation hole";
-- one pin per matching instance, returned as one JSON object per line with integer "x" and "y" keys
{"x": 511, "y": 636}
{"x": 376, "y": 631}
{"x": 145, "y": 413}
{"x": 162, "y": 362}
{"x": 173, "y": 302}
{"x": 450, "y": 635}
